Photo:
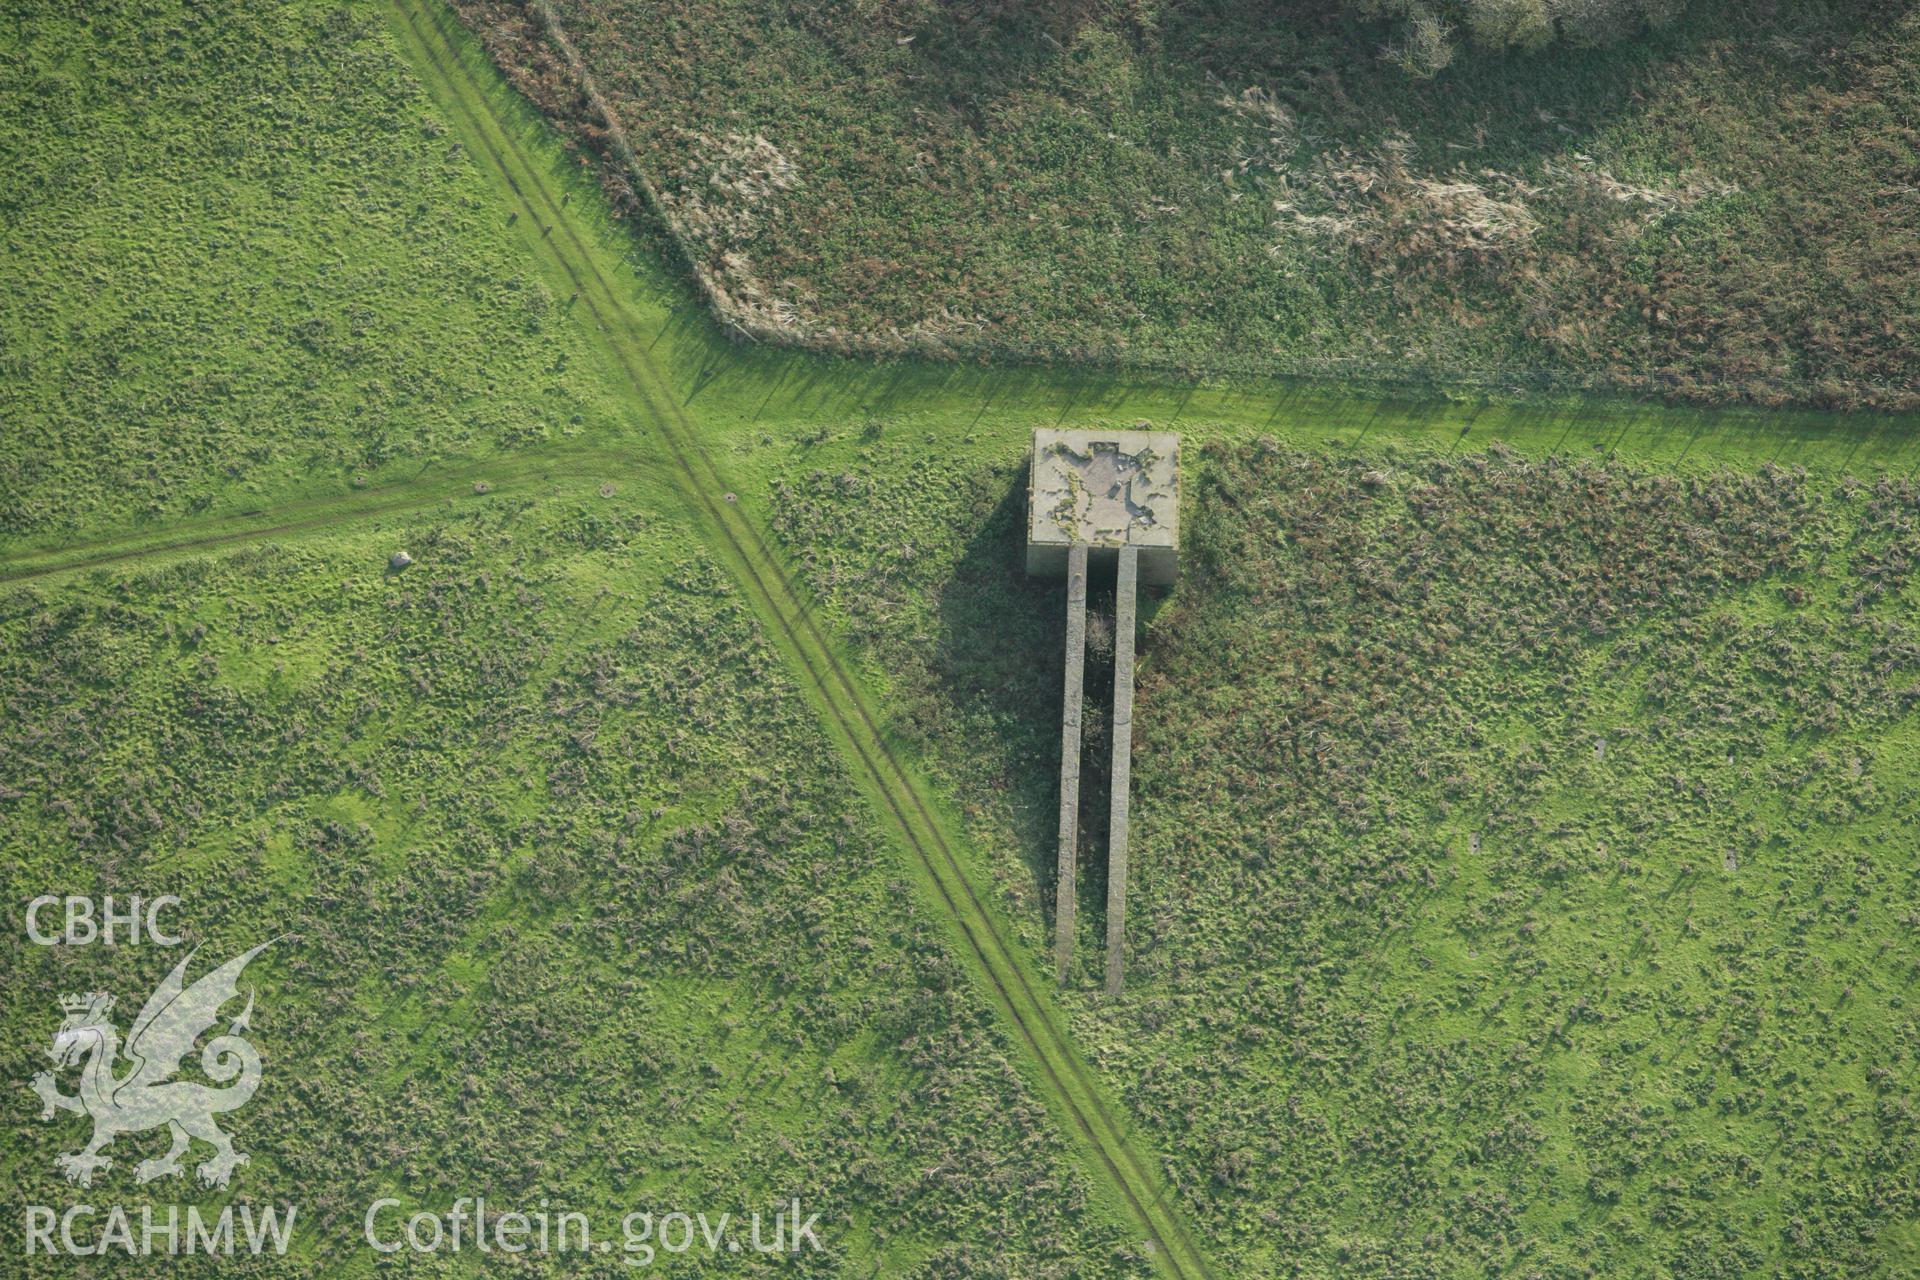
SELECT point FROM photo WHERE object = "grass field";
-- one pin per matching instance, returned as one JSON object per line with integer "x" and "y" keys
{"x": 871, "y": 1076}
{"x": 248, "y": 263}
{"x": 686, "y": 805}
{"x": 1522, "y": 879}
{"x": 575, "y": 902}
{"x": 1721, "y": 212}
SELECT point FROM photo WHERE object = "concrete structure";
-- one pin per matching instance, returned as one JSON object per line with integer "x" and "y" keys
{"x": 1121, "y": 791}
{"x": 1067, "y": 899}
{"x": 1105, "y": 489}
{"x": 1096, "y": 498}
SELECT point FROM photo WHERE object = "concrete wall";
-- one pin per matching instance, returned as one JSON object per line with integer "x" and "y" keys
{"x": 1125, "y": 595}
{"x": 1066, "y": 900}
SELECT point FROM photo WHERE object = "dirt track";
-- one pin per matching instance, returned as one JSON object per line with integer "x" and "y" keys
{"x": 903, "y": 799}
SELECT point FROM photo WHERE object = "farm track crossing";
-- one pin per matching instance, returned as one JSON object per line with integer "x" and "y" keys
{"x": 1067, "y": 1082}
{"x": 504, "y": 479}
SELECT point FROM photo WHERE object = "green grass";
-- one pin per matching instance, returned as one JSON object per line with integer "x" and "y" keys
{"x": 577, "y": 255}
{"x": 298, "y": 434}
{"x": 249, "y": 263}
{"x": 1520, "y": 858}
{"x": 577, "y": 902}
{"x": 505, "y": 802}
{"x": 435, "y": 775}
{"x": 947, "y": 871}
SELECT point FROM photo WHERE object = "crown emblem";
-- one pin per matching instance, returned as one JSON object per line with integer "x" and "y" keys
{"x": 78, "y": 1001}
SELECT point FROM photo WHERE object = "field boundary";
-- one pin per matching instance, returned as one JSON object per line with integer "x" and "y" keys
{"x": 876, "y": 761}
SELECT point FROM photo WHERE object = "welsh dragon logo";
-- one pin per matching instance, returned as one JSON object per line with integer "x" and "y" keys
{"x": 146, "y": 1095}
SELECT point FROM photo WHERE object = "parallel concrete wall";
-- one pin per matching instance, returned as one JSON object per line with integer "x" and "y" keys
{"x": 1125, "y": 593}
{"x": 1066, "y": 896}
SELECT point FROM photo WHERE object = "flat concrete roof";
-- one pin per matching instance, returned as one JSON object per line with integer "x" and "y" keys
{"x": 1106, "y": 489}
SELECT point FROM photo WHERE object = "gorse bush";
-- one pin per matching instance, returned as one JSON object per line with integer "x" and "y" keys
{"x": 1429, "y": 29}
